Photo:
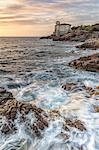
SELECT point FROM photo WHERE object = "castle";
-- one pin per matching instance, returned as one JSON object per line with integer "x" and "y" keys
{"x": 61, "y": 29}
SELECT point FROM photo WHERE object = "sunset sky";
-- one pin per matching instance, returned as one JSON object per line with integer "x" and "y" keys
{"x": 37, "y": 17}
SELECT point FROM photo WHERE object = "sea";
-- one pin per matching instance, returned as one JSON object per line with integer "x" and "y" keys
{"x": 34, "y": 70}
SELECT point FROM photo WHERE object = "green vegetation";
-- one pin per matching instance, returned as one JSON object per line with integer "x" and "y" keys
{"x": 89, "y": 28}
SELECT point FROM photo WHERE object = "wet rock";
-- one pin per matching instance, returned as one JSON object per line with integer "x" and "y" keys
{"x": 53, "y": 114}
{"x": 37, "y": 110}
{"x": 40, "y": 125}
{"x": 89, "y": 90}
{"x": 89, "y": 63}
{"x": 8, "y": 128}
{"x": 65, "y": 127}
{"x": 76, "y": 35}
{"x": 77, "y": 147}
{"x": 36, "y": 130}
{"x": 2, "y": 90}
{"x": 92, "y": 44}
{"x": 97, "y": 87}
{"x": 96, "y": 93}
{"x": 45, "y": 123}
{"x": 96, "y": 108}
{"x": 69, "y": 86}
{"x": 75, "y": 87}
{"x": 63, "y": 136}
{"x": 76, "y": 124}
{"x": 24, "y": 108}
{"x": 4, "y": 95}
{"x": 11, "y": 109}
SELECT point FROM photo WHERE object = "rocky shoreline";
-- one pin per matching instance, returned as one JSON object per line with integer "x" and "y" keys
{"x": 11, "y": 109}
{"x": 90, "y": 39}
{"x": 36, "y": 120}
{"x": 92, "y": 44}
{"x": 77, "y": 36}
{"x": 88, "y": 63}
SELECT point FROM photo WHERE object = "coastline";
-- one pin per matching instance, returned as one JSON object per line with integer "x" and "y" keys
{"x": 88, "y": 36}
{"x": 49, "y": 101}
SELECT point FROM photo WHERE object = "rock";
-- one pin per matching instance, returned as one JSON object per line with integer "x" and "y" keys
{"x": 69, "y": 86}
{"x": 97, "y": 87}
{"x": 40, "y": 125}
{"x": 96, "y": 93}
{"x": 47, "y": 37}
{"x": 75, "y": 87}
{"x": 77, "y": 35}
{"x": 96, "y": 108}
{"x": 63, "y": 136}
{"x": 88, "y": 63}
{"x": 8, "y": 128}
{"x": 53, "y": 114}
{"x": 10, "y": 108}
{"x": 92, "y": 44}
{"x": 65, "y": 127}
{"x": 75, "y": 123}
{"x": 36, "y": 130}
{"x": 2, "y": 90}
{"x": 4, "y": 95}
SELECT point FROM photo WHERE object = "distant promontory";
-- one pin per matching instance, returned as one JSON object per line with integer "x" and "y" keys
{"x": 87, "y": 35}
{"x": 67, "y": 32}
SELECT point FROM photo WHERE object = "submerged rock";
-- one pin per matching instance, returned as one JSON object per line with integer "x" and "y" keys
{"x": 88, "y": 63}
{"x": 4, "y": 95}
{"x": 63, "y": 136}
{"x": 8, "y": 128}
{"x": 88, "y": 90}
{"x": 69, "y": 86}
{"x": 76, "y": 124}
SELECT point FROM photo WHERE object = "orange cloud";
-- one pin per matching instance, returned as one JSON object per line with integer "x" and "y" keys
{"x": 36, "y": 15}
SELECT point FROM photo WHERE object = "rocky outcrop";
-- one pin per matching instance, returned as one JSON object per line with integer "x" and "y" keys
{"x": 88, "y": 63}
{"x": 71, "y": 36}
{"x": 79, "y": 35}
{"x": 74, "y": 123}
{"x": 10, "y": 109}
{"x": 92, "y": 44}
{"x": 47, "y": 37}
{"x": 70, "y": 86}
{"x": 77, "y": 87}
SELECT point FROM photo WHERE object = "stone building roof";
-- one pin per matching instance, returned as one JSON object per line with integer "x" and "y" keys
{"x": 65, "y": 24}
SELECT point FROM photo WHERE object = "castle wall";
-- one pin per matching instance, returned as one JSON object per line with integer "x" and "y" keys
{"x": 61, "y": 29}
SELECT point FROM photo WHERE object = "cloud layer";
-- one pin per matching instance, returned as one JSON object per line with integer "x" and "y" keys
{"x": 44, "y": 13}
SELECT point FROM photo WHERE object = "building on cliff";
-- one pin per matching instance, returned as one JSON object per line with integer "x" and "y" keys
{"x": 61, "y": 29}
